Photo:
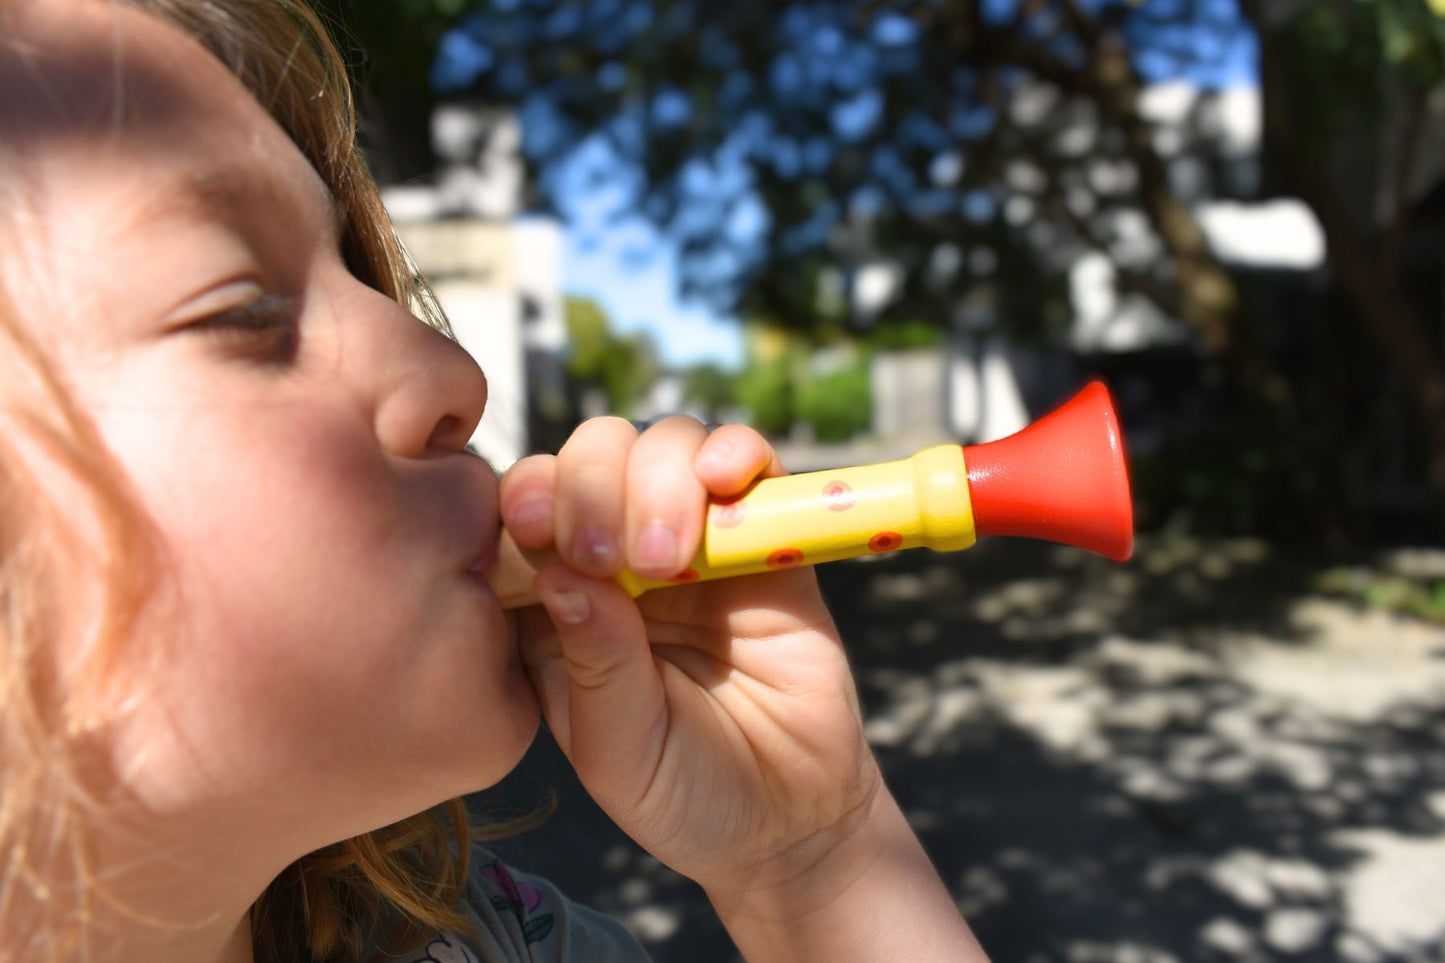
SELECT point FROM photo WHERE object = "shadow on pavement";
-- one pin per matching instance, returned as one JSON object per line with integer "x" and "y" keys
{"x": 1192, "y": 757}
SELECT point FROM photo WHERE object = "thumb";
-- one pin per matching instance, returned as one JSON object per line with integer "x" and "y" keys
{"x": 615, "y": 719}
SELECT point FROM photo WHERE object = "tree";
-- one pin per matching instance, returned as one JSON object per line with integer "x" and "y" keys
{"x": 623, "y": 368}
{"x": 780, "y": 139}
{"x": 1375, "y": 67}
{"x": 839, "y": 404}
{"x": 766, "y": 391}
{"x": 789, "y": 147}
{"x": 711, "y": 389}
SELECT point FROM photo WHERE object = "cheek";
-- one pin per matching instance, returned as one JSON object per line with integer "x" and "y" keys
{"x": 292, "y": 513}
{"x": 280, "y": 549}
{"x": 266, "y": 514}
{"x": 310, "y": 592}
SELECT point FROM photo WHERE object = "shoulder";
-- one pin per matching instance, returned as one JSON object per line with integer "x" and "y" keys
{"x": 520, "y": 918}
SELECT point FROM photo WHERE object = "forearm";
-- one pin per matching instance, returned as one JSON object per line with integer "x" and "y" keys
{"x": 874, "y": 897}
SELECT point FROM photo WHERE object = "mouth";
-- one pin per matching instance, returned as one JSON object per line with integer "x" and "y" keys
{"x": 477, "y": 571}
{"x": 485, "y": 558}
{"x": 478, "y": 514}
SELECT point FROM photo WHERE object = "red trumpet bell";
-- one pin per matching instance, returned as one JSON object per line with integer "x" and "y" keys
{"x": 1062, "y": 479}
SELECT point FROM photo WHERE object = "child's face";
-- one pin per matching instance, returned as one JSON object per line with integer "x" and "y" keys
{"x": 331, "y": 660}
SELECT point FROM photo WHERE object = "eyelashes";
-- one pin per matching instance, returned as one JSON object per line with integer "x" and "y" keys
{"x": 265, "y": 330}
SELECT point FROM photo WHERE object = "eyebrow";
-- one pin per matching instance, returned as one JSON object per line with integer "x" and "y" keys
{"x": 236, "y": 191}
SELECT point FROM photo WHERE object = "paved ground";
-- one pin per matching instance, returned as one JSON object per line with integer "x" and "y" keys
{"x": 1194, "y": 757}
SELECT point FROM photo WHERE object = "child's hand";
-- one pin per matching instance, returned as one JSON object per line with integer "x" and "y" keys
{"x": 716, "y": 723}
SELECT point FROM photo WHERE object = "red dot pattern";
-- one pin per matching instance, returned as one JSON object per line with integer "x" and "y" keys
{"x": 839, "y": 496}
{"x": 727, "y": 514}
{"x": 885, "y": 541}
{"x": 785, "y": 558}
{"x": 836, "y": 496}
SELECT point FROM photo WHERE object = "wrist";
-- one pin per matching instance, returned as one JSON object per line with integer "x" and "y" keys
{"x": 813, "y": 873}
{"x": 868, "y": 895}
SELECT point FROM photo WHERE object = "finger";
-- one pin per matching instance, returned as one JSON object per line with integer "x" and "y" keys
{"x": 733, "y": 457}
{"x": 591, "y": 501}
{"x": 616, "y": 711}
{"x": 527, "y": 497}
{"x": 666, "y": 502}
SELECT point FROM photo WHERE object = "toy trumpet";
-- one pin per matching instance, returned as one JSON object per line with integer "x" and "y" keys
{"x": 1062, "y": 479}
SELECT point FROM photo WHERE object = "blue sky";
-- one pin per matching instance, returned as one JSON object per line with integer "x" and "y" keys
{"x": 643, "y": 297}
{"x": 631, "y": 271}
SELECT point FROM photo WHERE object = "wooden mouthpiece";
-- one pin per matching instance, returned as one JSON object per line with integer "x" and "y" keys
{"x": 511, "y": 577}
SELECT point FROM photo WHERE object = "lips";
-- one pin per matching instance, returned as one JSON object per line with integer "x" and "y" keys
{"x": 478, "y": 514}
{"x": 487, "y": 556}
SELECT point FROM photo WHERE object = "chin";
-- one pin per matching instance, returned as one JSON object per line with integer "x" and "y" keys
{"x": 528, "y": 707}
{"x": 516, "y": 716}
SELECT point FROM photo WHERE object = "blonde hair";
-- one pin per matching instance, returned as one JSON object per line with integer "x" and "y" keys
{"x": 43, "y": 800}
{"x": 393, "y": 885}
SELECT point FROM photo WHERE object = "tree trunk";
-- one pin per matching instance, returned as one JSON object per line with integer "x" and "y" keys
{"x": 1368, "y": 271}
{"x": 1396, "y": 326}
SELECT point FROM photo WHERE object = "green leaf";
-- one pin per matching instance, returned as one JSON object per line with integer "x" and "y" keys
{"x": 537, "y": 928}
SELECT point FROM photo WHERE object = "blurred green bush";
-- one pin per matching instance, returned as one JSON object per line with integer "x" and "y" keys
{"x": 838, "y": 405}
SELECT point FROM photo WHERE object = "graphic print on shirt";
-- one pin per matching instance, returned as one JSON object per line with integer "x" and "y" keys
{"x": 520, "y": 900}
{"x": 445, "y": 950}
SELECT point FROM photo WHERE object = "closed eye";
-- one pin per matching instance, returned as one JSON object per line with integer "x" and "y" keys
{"x": 264, "y": 329}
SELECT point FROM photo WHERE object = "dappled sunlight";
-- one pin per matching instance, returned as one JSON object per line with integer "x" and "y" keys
{"x": 1191, "y": 757}
{"x": 1392, "y": 870}
{"x": 1197, "y": 756}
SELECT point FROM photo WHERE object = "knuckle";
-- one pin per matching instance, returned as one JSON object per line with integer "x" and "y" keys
{"x": 671, "y": 421}
{"x": 531, "y": 472}
{"x": 610, "y": 424}
{"x": 593, "y": 433}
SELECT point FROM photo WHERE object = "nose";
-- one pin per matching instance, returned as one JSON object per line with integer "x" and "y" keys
{"x": 435, "y": 392}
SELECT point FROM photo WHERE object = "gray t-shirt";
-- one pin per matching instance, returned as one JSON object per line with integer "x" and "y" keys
{"x": 525, "y": 919}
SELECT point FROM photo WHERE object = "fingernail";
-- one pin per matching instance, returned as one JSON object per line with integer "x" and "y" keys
{"x": 565, "y": 606}
{"x": 594, "y": 546}
{"x": 657, "y": 547}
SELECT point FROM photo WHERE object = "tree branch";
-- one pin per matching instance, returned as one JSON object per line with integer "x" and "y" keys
{"x": 1135, "y": 282}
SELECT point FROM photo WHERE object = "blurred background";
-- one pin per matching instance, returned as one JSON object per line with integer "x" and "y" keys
{"x": 868, "y": 227}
